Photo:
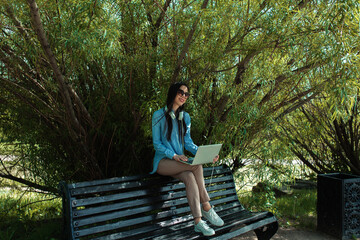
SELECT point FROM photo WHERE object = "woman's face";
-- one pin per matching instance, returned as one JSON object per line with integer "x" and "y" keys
{"x": 181, "y": 97}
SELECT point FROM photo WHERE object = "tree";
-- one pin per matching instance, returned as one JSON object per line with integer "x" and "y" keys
{"x": 80, "y": 80}
{"x": 324, "y": 133}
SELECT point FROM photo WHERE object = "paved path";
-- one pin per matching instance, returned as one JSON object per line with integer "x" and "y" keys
{"x": 290, "y": 234}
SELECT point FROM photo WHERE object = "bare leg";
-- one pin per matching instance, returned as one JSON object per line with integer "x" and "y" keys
{"x": 193, "y": 178}
{"x": 206, "y": 206}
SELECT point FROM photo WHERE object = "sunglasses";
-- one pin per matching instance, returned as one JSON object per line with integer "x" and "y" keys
{"x": 182, "y": 93}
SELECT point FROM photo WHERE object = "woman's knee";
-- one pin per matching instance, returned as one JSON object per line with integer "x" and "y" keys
{"x": 197, "y": 168}
{"x": 188, "y": 177}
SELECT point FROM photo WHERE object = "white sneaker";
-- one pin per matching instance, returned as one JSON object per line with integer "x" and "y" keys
{"x": 212, "y": 216}
{"x": 204, "y": 228}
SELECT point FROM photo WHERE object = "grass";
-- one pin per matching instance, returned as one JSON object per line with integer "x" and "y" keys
{"x": 297, "y": 209}
{"x": 30, "y": 216}
{"x": 26, "y": 215}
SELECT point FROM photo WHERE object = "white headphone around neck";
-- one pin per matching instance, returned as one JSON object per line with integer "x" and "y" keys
{"x": 172, "y": 114}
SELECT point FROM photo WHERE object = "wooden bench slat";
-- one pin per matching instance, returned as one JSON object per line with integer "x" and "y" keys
{"x": 112, "y": 226}
{"x": 112, "y": 197}
{"x": 127, "y": 186}
{"x": 217, "y": 171}
{"x": 222, "y": 192}
{"x": 125, "y": 223}
{"x": 140, "y": 193}
{"x": 225, "y": 178}
{"x": 246, "y": 228}
{"x": 121, "y": 205}
{"x": 113, "y": 187}
{"x": 234, "y": 218}
{"x": 207, "y": 172}
{"x": 114, "y": 215}
{"x": 114, "y": 180}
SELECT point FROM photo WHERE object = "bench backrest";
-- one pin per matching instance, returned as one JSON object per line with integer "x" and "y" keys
{"x": 136, "y": 205}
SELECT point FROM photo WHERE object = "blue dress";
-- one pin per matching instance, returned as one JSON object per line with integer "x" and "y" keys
{"x": 165, "y": 148}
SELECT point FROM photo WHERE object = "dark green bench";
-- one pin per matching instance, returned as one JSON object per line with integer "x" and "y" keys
{"x": 155, "y": 207}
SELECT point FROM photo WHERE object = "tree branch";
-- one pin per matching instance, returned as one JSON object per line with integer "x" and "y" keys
{"x": 29, "y": 183}
{"x": 187, "y": 45}
{"x": 162, "y": 14}
{"x": 279, "y": 79}
{"x": 243, "y": 65}
{"x": 64, "y": 91}
{"x": 299, "y": 104}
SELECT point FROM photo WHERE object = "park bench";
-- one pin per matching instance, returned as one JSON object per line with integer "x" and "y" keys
{"x": 155, "y": 207}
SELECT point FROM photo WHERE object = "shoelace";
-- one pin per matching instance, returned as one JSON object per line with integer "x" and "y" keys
{"x": 204, "y": 225}
{"x": 212, "y": 215}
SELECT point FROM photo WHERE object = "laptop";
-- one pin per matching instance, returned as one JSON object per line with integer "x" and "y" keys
{"x": 205, "y": 154}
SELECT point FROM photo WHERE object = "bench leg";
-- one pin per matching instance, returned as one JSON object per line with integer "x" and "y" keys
{"x": 266, "y": 232}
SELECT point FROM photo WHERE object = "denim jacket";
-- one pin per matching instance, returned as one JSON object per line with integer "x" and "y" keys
{"x": 165, "y": 148}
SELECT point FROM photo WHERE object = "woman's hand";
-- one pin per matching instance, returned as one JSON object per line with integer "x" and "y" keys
{"x": 180, "y": 158}
{"x": 216, "y": 159}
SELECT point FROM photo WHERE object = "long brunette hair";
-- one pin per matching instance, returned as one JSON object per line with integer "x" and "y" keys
{"x": 172, "y": 93}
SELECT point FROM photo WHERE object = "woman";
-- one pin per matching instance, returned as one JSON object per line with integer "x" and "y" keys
{"x": 171, "y": 134}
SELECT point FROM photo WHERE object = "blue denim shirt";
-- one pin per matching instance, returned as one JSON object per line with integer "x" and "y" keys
{"x": 165, "y": 148}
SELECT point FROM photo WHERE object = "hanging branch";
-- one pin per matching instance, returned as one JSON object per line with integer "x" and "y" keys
{"x": 187, "y": 45}
{"x": 29, "y": 183}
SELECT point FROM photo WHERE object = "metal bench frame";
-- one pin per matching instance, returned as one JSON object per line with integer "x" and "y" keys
{"x": 155, "y": 207}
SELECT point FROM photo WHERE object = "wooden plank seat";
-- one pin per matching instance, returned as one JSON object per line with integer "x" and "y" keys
{"x": 155, "y": 207}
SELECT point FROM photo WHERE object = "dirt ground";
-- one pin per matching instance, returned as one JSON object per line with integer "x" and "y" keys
{"x": 290, "y": 234}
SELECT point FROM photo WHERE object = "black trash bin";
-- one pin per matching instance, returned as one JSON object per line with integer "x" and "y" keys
{"x": 338, "y": 205}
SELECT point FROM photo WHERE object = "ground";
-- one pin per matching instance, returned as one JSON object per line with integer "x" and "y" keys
{"x": 290, "y": 234}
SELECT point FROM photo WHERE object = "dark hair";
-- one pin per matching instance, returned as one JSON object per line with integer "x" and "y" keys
{"x": 172, "y": 92}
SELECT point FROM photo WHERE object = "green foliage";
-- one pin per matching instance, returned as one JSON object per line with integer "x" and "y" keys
{"x": 297, "y": 209}
{"x": 248, "y": 64}
{"x": 328, "y": 140}
{"x": 267, "y": 186}
{"x": 29, "y": 215}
